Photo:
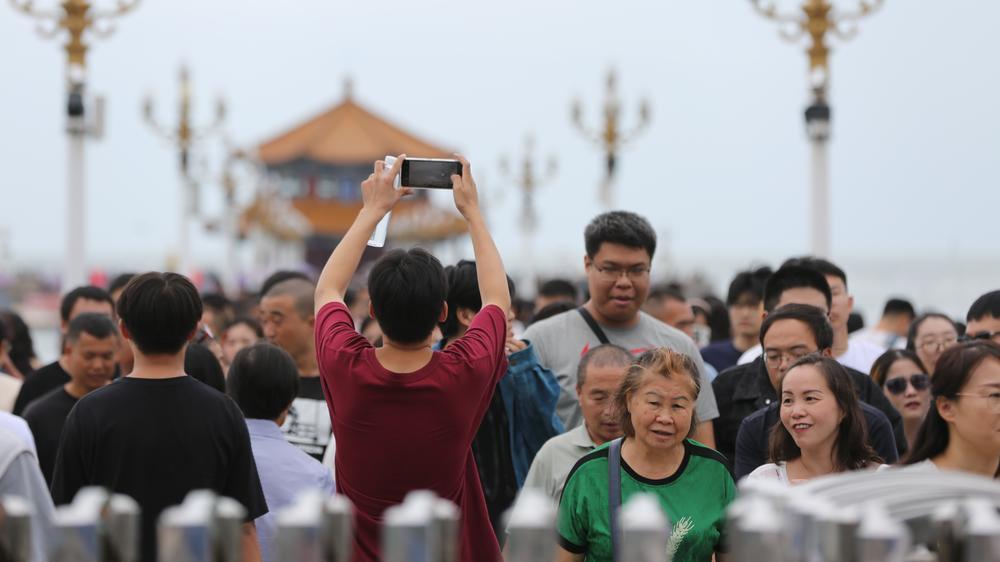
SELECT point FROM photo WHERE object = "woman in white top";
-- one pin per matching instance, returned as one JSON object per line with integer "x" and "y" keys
{"x": 822, "y": 429}
{"x": 962, "y": 428}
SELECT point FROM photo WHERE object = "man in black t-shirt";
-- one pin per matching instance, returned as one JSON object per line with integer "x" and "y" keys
{"x": 157, "y": 434}
{"x": 89, "y": 352}
{"x": 50, "y": 377}
{"x": 287, "y": 317}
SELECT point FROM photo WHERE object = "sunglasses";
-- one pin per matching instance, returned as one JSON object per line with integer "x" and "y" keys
{"x": 897, "y": 386}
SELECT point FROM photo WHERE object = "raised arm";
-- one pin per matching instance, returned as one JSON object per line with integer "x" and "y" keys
{"x": 379, "y": 197}
{"x": 489, "y": 267}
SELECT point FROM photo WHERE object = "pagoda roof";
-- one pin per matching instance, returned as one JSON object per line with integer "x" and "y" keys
{"x": 413, "y": 220}
{"x": 346, "y": 134}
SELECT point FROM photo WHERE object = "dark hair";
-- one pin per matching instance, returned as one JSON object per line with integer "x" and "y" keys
{"x": 216, "y": 302}
{"x": 160, "y": 311}
{"x": 881, "y": 366}
{"x": 811, "y": 316}
{"x": 407, "y": 289}
{"x": 550, "y": 310}
{"x": 986, "y": 305}
{"x": 855, "y": 321}
{"x": 463, "y": 292}
{"x": 794, "y": 277}
{"x": 911, "y": 334}
{"x": 665, "y": 293}
{"x": 953, "y": 370}
{"x": 718, "y": 319}
{"x": 119, "y": 282}
{"x": 665, "y": 363}
{"x": 821, "y": 265}
{"x": 896, "y": 306}
{"x": 97, "y": 325}
{"x": 246, "y": 321}
{"x": 86, "y": 292}
{"x": 278, "y": 277}
{"x": 200, "y": 363}
{"x": 605, "y": 355}
{"x": 851, "y": 450}
{"x": 22, "y": 348}
{"x": 263, "y": 381}
{"x": 750, "y": 282}
{"x": 558, "y": 288}
{"x": 619, "y": 227}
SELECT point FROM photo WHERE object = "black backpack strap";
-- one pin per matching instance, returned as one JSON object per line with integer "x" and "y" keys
{"x": 614, "y": 492}
{"x": 594, "y": 326}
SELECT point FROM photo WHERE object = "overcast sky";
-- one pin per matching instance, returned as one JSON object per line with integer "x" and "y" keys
{"x": 722, "y": 171}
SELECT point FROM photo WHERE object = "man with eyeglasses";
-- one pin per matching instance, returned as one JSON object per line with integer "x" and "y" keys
{"x": 620, "y": 247}
{"x": 788, "y": 334}
{"x": 744, "y": 389}
{"x": 983, "y": 319}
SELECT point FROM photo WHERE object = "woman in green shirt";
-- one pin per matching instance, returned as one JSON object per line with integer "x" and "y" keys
{"x": 656, "y": 410}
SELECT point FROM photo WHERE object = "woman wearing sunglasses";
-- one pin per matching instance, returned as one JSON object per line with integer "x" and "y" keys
{"x": 962, "y": 429}
{"x": 906, "y": 384}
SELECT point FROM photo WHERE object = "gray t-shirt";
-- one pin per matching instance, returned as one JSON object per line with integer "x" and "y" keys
{"x": 560, "y": 342}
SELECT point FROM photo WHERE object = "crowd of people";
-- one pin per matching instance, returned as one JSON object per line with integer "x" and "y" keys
{"x": 438, "y": 378}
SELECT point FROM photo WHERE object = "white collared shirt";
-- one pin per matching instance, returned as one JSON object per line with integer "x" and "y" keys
{"x": 556, "y": 458}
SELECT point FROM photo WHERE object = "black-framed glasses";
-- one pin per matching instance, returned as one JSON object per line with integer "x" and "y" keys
{"x": 919, "y": 381}
{"x": 981, "y": 336}
{"x": 613, "y": 273}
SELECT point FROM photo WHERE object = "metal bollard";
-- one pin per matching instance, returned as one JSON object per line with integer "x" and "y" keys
{"x": 837, "y": 529}
{"x": 97, "y": 527}
{"x": 15, "y": 529}
{"x": 758, "y": 532}
{"x": 315, "y": 528}
{"x": 881, "y": 538}
{"x": 645, "y": 531}
{"x": 406, "y": 533}
{"x": 445, "y": 522}
{"x": 531, "y": 526}
{"x": 978, "y": 528}
{"x": 203, "y": 528}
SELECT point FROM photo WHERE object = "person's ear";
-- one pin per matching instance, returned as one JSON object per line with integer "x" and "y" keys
{"x": 763, "y": 313}
{"x": 945, "y": 408}
{"x": 465, "y": 316}
{"x": 371, "y": 310}
{"x": 587, "y": 262}
{"x": 444, "y": 313}
{"x": 123, "y": 330}
{"x": 850, "y": 303}
{"x": 826, "y": 352}
{"x": 311, "y": 320}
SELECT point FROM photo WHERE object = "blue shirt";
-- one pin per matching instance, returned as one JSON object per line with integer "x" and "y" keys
{"x": 285, "y": 471}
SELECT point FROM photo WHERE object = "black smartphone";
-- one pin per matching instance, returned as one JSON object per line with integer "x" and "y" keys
{"x": 431, "y": 173}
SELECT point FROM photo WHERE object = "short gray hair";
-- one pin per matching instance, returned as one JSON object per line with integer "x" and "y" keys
{"x": 606, "y": 355}
{"x": 303, "y": 294}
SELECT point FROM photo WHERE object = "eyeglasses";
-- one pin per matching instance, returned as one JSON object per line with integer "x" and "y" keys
{"x": 615, "y": 273}
{"x": 775, "y": 359}
{"x": 919, "y": 381}
{"x": 981, "y": 336}
{"x": 992, "y": 399}
{"x": 931, "y": 346}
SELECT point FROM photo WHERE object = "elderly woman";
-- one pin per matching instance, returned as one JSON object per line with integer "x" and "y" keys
{"x": 962, "y": 429}
{"x": 822, "y": 429}
{"x": 655, "y": 405}
{"x": 905, "y": 382}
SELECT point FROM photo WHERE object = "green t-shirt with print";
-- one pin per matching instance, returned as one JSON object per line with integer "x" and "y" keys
{"x": 694, "y": 498}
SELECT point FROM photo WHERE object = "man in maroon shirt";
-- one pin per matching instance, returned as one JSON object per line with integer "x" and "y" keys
{"x": 404, "y": 416}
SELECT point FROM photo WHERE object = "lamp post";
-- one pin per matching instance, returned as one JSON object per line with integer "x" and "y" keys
{"x": 818, "y": 19}
{"x": 184, "y": 136}
{"x": 528, "y": 180}
{"x": 610, "y": 138}
{"x": 75, "y": 19}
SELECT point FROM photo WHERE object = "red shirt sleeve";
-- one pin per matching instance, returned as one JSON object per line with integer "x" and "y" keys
{"x": 485, "y": 339}
{"x": 335, "y": 333}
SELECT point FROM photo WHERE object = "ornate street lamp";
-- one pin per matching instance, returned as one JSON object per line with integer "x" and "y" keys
{"x": 528, "y": 180}
{"x": 610, "y": 138}
{"x": 76, "y": 19}
{"x": 184, "y": 136}
{"x": 817, "y": 19}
